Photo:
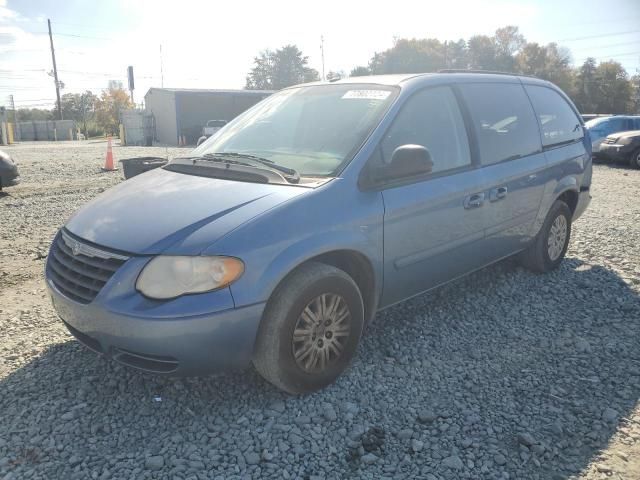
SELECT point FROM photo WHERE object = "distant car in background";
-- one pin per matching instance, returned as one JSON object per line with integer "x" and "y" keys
{"x": 9, "y": 175}
{"x": 600, "y": 128}
{"x": 210, "y": 128}
{"x": 623, "y": 147}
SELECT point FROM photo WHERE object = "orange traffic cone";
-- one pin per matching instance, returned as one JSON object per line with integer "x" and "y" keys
{"x": 108, "y": 163}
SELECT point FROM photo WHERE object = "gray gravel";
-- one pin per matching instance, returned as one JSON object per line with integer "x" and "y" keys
{"x": 503, "y": 374}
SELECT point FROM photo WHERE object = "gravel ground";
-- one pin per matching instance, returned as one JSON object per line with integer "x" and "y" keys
{"x": 504, "y": 374}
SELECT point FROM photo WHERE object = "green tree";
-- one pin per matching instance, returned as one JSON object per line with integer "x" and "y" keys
{"x": 79, "y": 107}
{"x": 275, "y": 70}
{"x": 635, "y": 95}
{"x": 507, "y": 42}
{"x": 409, "y": 56}
{"x": 456, "y": 54}
{"x": 584, "y": 92}
{"x": 614, "y": 90}
{"x": 481, "y": 51}
{"x": 548, "y": 62}
{"x": 29, "y": 114}
{"x": 360, "y": 71}
{"x": 108, "y": 107}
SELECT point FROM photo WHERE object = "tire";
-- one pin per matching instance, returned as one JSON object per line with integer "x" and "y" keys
{"x": 275, "y": 353}
{"x": 201, "y": 140}
{"x": 545, "y": 254}
{"x": 634, "y": 160}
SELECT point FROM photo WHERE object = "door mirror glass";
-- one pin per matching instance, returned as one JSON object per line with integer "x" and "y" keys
{"x": 406, "y": 161}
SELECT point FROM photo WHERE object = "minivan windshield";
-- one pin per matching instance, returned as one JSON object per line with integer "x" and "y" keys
{"x": 313, "y": 130}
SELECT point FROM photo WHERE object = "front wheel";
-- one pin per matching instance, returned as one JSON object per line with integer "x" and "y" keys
{"x": 310, "y": 329}
{"x": 634, "y": 160}
{"x": 551, "y": 243}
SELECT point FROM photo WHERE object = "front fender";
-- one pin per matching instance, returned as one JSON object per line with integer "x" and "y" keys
{"x": 334, "y": 217}
{"x": 258, "y": 287}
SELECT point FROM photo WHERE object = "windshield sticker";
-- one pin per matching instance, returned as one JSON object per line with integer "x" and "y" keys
{"x": 367, "y": 94}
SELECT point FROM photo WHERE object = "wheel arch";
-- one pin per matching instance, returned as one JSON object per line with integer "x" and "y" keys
{"x": 358, "y": 267}
{"x": 570, "y": 197}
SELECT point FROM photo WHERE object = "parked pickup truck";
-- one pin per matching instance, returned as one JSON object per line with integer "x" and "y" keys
{"x": 210, "y": 128}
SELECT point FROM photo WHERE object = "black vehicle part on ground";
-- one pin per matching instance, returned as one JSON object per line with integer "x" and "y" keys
{"x": 9, "y": 175}
{"x": 135, "y": 166}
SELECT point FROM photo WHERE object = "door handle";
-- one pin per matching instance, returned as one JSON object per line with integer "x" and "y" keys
{"x": 474, "y": 201}
{"x": 497, "y": 193}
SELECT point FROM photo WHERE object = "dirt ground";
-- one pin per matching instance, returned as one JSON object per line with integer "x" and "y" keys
{"x": 57, "y": 178}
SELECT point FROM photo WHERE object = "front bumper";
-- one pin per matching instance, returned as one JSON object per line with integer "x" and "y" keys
{"x": 615, "y": 152}
{"x": 191, "y": 335}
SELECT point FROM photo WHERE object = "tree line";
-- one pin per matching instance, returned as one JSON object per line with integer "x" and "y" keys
{"x": 603, "y": 87}
{"x": 94, "y": 115}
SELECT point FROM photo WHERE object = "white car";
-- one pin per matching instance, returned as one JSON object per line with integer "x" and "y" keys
{"x": 210, "y": 128}
{"x": 600, "y": 128}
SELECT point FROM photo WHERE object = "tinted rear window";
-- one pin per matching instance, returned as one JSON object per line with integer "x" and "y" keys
{"x": 558, "y": 122}
{"x": 504, "y": 122}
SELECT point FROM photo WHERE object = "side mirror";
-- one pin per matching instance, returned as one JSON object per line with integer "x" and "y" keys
{"x": 406, "y": 161}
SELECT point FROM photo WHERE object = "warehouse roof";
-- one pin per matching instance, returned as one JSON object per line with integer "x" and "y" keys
{"x": 212, "y": 90}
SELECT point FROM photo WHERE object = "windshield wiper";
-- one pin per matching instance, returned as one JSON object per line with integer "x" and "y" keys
{"x": 293, "y": 175}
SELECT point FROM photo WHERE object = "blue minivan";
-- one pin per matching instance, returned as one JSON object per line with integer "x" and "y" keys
{"x": 277, "y": 240}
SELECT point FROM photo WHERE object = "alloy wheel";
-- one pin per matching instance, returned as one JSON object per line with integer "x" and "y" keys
{"x": 557, "y": 237}
{"x": 321, "y": 333}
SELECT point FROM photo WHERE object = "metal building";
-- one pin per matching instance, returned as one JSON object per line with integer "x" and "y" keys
{"x": 184, "y": 111}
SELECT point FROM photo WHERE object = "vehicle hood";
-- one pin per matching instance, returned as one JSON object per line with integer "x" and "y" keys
{"x": 173, "y": 213}
{"x": 630, "y": 133}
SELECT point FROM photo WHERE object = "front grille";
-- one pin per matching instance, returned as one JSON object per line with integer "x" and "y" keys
{"x": 80, "y": 270}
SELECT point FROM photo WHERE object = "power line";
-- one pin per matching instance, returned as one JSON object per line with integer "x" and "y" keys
{"x": 623, "y": 44}
{"x": 597, "y": 36}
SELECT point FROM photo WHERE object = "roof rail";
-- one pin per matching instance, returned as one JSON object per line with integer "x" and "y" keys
{"x": 492, "y": 72}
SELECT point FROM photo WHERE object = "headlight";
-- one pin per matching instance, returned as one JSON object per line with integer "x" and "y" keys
{"x": 167, "y": 277}
{"x": 625, "y": 140}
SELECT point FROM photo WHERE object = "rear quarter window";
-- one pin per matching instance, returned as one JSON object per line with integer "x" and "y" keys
{"x": 503, "y": 120}
{"x": 558, "y": 122}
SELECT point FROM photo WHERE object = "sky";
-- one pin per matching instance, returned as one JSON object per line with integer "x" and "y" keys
{"x": 212, "y": 44}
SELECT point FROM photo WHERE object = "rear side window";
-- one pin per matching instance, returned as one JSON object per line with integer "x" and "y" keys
{"x": 558, "y": 122}
{"x": 431, "y": 118}
{"x": 503, "y": 120}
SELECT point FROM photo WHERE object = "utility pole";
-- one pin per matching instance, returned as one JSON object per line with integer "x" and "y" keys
{"x": 161, "y": 74}
{"x": 446, "y": 60}
{"x": 15, "y": 117}
{"x": 322, "y": 53}
{"x": 55, "y": 70}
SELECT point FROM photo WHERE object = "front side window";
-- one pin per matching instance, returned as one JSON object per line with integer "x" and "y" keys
{"x": 430, "y": 118}
{"x": 558, "y": 122}
{"x": 314, "y": 130}
{"x": 503, "y": 120}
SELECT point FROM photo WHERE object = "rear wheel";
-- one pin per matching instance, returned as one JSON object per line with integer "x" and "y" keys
{"x": 310, "y": 329}
{"x": 551, "y": 243}
{"x": 634, "y": 160}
